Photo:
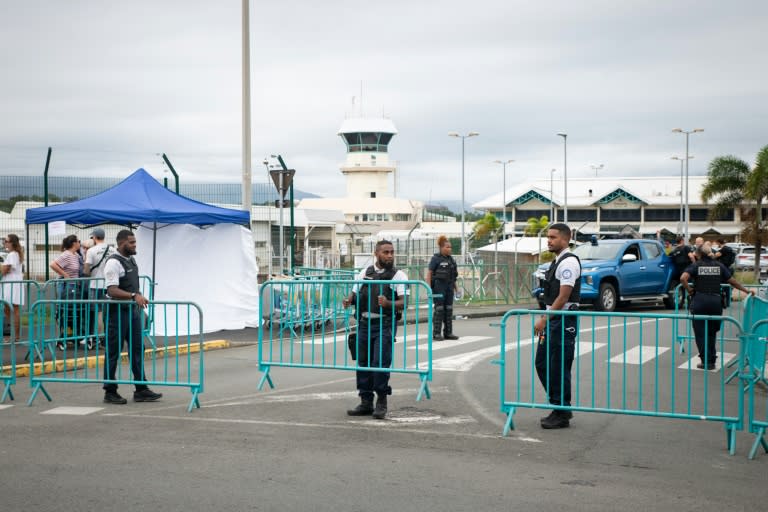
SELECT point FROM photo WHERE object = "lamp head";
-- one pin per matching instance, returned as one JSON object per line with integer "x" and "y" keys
{"x": 563, "y": 135}
{"x": 453, "y": 134}
{"x": 677, "y": 130}
{"x": 472, "y": 134}
{"x": 697, "y": 130}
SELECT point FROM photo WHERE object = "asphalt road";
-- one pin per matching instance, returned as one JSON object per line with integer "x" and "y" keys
{"x": 294, "y": 447}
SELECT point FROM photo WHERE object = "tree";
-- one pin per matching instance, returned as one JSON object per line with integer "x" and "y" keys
{"x": 732, "y": 184}
{"x": 535, "y": 225}
{"x": 489, "y": 225}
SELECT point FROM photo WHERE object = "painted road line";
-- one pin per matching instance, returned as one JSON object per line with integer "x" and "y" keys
{"x": 5, "y": 406}
{"x": 464, "y": 340}
{"x": 73, "y": 411}
{"x": 585, "y": 347}
{"x": 464, "y": 362}
{"x": 692, "y": 362}
{"x": 637, "y": 356}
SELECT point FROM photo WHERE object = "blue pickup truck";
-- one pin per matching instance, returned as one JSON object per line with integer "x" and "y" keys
{"x": 614, "y": 272}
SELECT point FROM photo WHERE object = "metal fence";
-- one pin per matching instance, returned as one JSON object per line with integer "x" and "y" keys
{"x": 59, "y": 331}
{"x": 307, "y": 326}
{"x": 7, "y": 351}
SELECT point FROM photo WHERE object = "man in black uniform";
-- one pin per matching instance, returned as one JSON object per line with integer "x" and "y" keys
{"x": 124, "y": 320}
{"x": 441, "y": 276}
{"x": 555, "y": 352}
{"x": 708, "y": 275}
{"x": 377, "y": 307}
{"x": 681, "y": 258}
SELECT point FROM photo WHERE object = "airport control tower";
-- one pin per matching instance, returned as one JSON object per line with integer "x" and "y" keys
{"x": 368, "y": 166}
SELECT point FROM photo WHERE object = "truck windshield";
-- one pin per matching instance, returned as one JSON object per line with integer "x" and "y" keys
{"x": 597, "y": 252}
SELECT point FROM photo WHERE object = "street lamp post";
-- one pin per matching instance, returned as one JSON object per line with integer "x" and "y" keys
{"x": 687, "y": 205}
{"x": 463, "y": 238}
{"x": 504, "y": 193}
{"x": 681, "y": 191}
{"x": 551, "y": 196}
{"x": 565, "y": 176}
{"x": 596, "y": 168}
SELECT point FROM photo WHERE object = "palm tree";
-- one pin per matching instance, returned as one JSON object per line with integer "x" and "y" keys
{"x": 487, "y": 226}
{"x": 535, "y": 225}
{"x": 732, "y": 183}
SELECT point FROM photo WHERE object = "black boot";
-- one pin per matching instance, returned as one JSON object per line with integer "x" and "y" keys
{"x": 365, "y": 408}
{"x": 437, "y": 325}
{"x": 381, "y": 407}
{"x": 449, "y": 327}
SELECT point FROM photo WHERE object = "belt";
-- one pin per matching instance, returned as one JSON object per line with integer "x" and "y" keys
{"x": 371, "y": 316}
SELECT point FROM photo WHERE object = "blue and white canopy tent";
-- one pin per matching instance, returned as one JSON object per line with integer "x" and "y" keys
{"x": 141, "y": 201}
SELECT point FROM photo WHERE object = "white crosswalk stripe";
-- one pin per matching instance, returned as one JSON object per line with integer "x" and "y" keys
{"x": 726, "y": 358}
{"x": 5, "y": 406}
{"x": 640, "y": 354}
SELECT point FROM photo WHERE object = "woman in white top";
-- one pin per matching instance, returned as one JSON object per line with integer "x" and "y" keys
{"x": 11, "y": 270}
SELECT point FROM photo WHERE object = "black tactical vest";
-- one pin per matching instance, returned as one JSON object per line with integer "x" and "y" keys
{"x": 551, "y": 285}
{"x": 708, "y": 277}
{"x": 129, "y": 282}
{"x": 446, "y": 269}
{"x": 367, "y": 299}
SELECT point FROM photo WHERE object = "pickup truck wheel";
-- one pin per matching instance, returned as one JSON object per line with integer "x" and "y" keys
{"x": 607, "y": 299}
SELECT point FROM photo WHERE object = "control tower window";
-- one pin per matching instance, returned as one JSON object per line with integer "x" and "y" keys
{"x": 384, "y": 138}
{"x": 373, "y": 194}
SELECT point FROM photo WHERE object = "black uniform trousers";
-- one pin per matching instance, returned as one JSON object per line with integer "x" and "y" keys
{"x": 375, "y": 339}
{"x": 706, "y": 331}
{"x": 124, "y": 324}
{"x": 554, "y": 358}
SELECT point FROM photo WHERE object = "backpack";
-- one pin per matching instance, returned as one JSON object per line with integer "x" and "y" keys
{"x": 727, "y": 256}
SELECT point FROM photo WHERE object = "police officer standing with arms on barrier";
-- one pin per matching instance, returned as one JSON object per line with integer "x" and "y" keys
{"x": 708, "y": 274}
{"x": 377, "y": 308}
{"x": 555, "y": 351}
{"x": 441, "y": 276}
{"x": 124, "y": 320}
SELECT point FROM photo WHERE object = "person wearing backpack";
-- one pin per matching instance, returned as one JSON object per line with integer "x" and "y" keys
{"x": 681, "y": 257}
{"x": 377, "y": 309}
{"x": 95, "y": 260}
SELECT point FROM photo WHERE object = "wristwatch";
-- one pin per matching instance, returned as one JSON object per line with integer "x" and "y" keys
{"x": 133, "y": 296}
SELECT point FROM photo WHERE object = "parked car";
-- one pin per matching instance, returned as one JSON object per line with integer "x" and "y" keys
{"x": 745, "y": 258}
{"x": 621, "y": 271}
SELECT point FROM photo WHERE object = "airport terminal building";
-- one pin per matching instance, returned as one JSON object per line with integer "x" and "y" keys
{"x": 610, "y": 206}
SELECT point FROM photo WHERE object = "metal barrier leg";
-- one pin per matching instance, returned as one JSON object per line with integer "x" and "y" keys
{"x": 38, "y": 387}
{"x": 759, "y": 440}
{"x": 265, "y": 378}
{"x": 423, "y": 389}
{"x": 7, "y": 393}
{"x": 730, "y": 432}
{"x": 509, "y": 424}
{"x": 195, "y": 402}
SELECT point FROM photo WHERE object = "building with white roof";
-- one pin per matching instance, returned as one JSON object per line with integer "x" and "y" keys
{"x": 610, "y": 205}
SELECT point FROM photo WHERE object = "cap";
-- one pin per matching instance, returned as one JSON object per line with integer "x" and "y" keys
{"x": 98, "y": 233}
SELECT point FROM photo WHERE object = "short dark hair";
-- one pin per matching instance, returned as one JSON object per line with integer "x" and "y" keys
{"x": 382, "y": 242}
{"x": 123, "y": 235}
{"x": 563, "y": 229}
{"x": 721, "y": 241}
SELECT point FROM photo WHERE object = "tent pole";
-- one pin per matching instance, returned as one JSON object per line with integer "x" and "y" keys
{"x": 154, "y": 255}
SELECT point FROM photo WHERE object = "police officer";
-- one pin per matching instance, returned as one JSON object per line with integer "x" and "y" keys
{"x": 555, "y": 351}
{"x": 681, "y": 257}
{"x": 376, "y": 307}
{"x": 708, "y": 274}
{"x": 441, "y": 276}
{"x": 124, "y": 320}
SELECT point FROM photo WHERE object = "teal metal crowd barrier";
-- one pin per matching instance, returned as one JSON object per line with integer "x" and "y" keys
{"x": 174, "y": 359}
{"x": 7, "y": 351}
{"x": 324, "y": 273}
{"x": 307, "y": 326}
{"x": 22, "y": 294}
{"x": 755, "y": 369}
{"x": 624, "y": 363}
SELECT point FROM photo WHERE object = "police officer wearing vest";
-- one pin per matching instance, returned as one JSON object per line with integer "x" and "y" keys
{"x": 377, "y": 308}
{"x": 708, "y": 274}
{"x": 441, "y": 276}
{"x": 555, "y": 350}
{"x": 124, "y": 320}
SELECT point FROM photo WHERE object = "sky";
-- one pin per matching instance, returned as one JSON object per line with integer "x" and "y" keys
{"x": 112, "y": 85}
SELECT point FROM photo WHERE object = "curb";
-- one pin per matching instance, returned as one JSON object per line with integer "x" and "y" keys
{"x": 70, "y": 364}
